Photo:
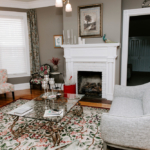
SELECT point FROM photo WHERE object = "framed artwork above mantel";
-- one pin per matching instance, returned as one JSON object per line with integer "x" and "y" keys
{"x": 90, "y": 21}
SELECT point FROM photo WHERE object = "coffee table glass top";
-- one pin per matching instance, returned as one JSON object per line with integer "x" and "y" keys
{"x": 39, "y": 105}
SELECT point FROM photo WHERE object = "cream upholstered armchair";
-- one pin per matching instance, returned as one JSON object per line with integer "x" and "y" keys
{"x": 4, "y": 86}
{"x": 127, "y": 125}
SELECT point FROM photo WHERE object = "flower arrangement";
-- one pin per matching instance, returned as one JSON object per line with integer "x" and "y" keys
{"x": 55, "y": 61}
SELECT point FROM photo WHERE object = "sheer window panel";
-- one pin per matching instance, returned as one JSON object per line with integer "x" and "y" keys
{"x": 14, "y": 44}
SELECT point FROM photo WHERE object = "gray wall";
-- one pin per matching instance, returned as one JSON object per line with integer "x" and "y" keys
{"x": 50, "y": 23}
{"x": 131, "y": 4}
{"x": 22, "y": 79}
{"x": 111, "y": 22}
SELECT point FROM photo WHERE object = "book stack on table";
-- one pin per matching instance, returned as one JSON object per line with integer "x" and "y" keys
{"x": 51, "y": 112}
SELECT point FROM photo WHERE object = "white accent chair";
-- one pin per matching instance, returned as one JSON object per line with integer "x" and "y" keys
{"x": 127, "y": 125}
{"x": 4, "y": 86}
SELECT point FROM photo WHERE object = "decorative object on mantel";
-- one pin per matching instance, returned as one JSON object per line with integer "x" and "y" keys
{"x": 55, "y": 62}
{"x": 145, "y": 4}
{"x": 58, "y": 41}
{"x": 90, "y": 21}
{"x": 106, "y": 40}
{"x": 71, "y": 38}
{"x": 81, "y": 41}
{"x": 68, "y": 36}
{"x": 64, "y": 39}
{"x": 59, "y": 3}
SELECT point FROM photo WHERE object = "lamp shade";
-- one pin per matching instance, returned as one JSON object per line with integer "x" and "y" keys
{"x": 68, "y": 7}
{"x": 58, "y": 3}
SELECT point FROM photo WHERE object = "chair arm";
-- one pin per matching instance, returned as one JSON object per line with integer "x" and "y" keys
{"x": 135, "y": 92}
{"x": 35, "y": 75}
{"x": 128, "y": 132}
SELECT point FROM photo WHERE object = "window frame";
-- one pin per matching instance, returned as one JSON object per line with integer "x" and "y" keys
{"x": 26, "y": 33}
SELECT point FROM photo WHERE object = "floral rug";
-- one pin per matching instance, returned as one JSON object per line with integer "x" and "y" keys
{"x": 84, "y": 129}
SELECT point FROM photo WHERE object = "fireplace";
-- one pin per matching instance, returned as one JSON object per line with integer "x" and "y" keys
{"x": 97, "y": 58}
{"x": 90, "y": 83}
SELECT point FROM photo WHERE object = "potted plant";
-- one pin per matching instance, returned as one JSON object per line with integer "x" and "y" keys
{"x": 55, "y": 62}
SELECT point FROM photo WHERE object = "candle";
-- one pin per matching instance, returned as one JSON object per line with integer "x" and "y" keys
{"x": 83, "y": 41}
{"x": 68, "y": 34}
{"x": 79, "y": 40}
{"x": 51, "y": 82}
{"x": 51, "y": 79}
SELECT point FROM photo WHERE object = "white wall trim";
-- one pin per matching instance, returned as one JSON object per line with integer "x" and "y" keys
{"x": 27, "y": 5}
{"x": 22, "y": 86}
{"x": 125, "y": 37}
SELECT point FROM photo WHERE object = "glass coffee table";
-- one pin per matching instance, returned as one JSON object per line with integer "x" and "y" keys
{"x": 39, "y": 105}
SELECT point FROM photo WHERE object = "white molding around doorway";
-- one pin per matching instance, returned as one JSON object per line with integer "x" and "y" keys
{"x": 125, "y": 38}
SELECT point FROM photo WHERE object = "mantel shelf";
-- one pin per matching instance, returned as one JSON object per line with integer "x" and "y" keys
{"x": 91, "y": 45}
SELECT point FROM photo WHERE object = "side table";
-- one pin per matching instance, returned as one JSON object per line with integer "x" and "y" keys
{"x": 55, "y": 75}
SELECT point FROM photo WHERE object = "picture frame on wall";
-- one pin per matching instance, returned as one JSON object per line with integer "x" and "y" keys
{"x": 90, "y": 21}
{"x": 58, "y": 41}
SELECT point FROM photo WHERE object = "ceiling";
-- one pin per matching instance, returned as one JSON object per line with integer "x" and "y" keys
{"x": 24, "y": 0}
{"x": 26, "y": 4}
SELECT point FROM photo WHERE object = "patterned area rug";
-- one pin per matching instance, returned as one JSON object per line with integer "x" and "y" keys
{"x": 84, "y": 130}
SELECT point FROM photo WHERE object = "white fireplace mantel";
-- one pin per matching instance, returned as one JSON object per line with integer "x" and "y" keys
{"x": 93, "y": 57}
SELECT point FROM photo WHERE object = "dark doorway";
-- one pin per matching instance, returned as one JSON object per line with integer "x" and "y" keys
{"x": 138, "y": 70}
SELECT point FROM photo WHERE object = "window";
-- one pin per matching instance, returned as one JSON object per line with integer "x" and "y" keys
{"x": 14, "y": 44}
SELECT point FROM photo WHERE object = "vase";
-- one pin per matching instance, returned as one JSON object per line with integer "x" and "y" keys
{"x": 55, "y": 67}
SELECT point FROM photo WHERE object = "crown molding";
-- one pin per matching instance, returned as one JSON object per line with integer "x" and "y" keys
{"x": 14, "y": 4}
{"x": 41, "y": 3}
{"x": 27, "y": 5}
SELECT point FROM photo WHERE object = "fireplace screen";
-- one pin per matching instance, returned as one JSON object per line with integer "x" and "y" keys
{"x": 90, "y": 83}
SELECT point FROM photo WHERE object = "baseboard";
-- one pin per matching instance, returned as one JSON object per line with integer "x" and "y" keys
{"x": 22, "y": 86}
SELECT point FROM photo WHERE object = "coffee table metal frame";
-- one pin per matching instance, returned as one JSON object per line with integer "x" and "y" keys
{"x": 54, "y": 129}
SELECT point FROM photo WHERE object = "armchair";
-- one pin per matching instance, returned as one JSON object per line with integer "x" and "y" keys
{"x": 37, "y": 78}
{"x": 127, "y": 125}
{"x": 4, "y": 86}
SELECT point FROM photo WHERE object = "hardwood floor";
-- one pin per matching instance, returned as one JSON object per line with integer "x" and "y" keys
{"x": 25, "y": 94}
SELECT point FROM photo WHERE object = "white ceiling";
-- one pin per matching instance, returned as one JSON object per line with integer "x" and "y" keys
{"x": 26, "y": 4}
{"x": 24, "y": 0}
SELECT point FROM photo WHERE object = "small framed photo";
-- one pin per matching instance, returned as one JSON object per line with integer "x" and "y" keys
{"x": 91, "y": 21}
{"x": 58, "y": 41}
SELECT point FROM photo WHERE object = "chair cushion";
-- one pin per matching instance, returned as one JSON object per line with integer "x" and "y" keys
{"x": 146, "y": 102}
{"x": 44, "y": 70}
{"x": 6, "y": 87}
{"x": 37, "y": 80}
{"x": 127, "y": 107}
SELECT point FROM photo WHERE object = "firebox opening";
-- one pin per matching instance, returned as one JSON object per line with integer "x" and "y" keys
{"x": 90, "y": 83}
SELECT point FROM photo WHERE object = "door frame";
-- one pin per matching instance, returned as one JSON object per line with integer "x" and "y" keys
{"x": 125, "y": 38}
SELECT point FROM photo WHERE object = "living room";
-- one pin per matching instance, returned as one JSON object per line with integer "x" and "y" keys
{"x": 96, "y": 48}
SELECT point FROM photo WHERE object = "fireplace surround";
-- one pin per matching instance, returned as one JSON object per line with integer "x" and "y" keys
{"x": 95, "y": 58}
